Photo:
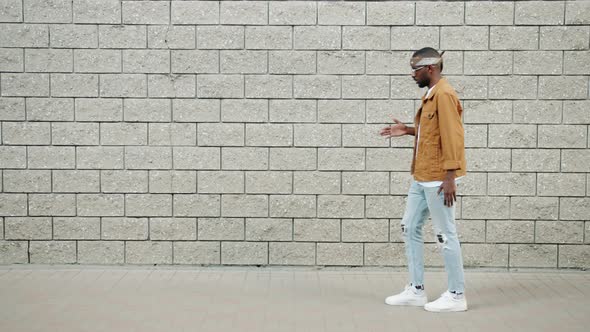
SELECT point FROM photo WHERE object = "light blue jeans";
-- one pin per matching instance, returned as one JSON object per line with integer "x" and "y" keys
{"x": 422, "y": 202}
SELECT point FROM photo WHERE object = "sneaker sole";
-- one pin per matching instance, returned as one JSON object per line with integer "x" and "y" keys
{"x": 411, "y": 304}
{"x": 446, "y": 310}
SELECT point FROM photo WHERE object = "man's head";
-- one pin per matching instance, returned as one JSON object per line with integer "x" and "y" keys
{"x": 426, "y": 66}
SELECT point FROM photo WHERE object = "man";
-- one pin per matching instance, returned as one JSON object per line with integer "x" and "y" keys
{"x": 437, "y": 165}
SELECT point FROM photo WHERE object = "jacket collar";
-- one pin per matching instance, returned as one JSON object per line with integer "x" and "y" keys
{"x": 442, "y": 81}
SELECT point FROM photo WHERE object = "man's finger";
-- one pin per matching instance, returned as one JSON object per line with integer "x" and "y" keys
{"x": 439, "y": 190}
{"x": 396, "y": 120}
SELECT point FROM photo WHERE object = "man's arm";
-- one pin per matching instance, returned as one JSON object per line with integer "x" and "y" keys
{"x": 411, "y": 131}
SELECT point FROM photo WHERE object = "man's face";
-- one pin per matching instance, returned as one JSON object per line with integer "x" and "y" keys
{"x": 420, "y": 74}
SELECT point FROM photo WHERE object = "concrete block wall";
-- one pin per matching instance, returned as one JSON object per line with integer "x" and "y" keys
{"x": 246, "y": 132}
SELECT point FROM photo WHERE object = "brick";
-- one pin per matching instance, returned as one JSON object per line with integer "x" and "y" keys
{"x": 197, "y": 253}
{"x": 317, "y": 86}
{"x": 173, "y": 134}
{"x": 148, "y": 252}
{"x": 510, "y": 231}
{"x": 399, "y": 183}
{"x": 67, "y": 133}
{"x": 194, "y": 12}
{"x": 575, "y": 112}
{"x": 26, "y": 133}
{"x": 533, "y": 255}
{"x": 380, "y": 111}
{"x": 123, "y": 133}
{"x": 220, "y": 134}
{"x": 488, "y": 255}
{"x": 50, "y": 157}
{"x": 489, "y": 13}
{"x": 25, "y": 84}
{"x": 470, "y": 87}
{"x": 287, "y": 253}
{"x": 341, "y": 111}
{"x": 385, "y": 254}
{"x": 13, "y": 108}
{"x": 538, "y": 62}
{"x": 413, "y": 38}
{"x": 488, "y": 160}
{"x": 485, "y": 207}
{"x": 244, "y": 206}
{"x": 91, "y": 109}
{"x": 512, "y": 87}
{"x": 24, "y": 35}
{"x": 146, "y": 61}
{"x": 251, "y": 12}
{"x": 341, "y": 62}
{"x": 50, "y": 109}
{"x": 243, "y": 62}
{"x": 563, "y": 87}
{"x": 537, "y": 111}
{"x": 49, "y": 11}
{"x": 11, "y": 11}
{"x": 341, "y": 13}
{"x": 28, "y": 228}
{"x": 574, "y": 256}
{"x": 386, "y": 159}
{"x": 577, "y": 12}
{"x": 562, "y": 136}
{"x": 539, "y": 13}
{"x": 564, "y": 38}
{"x": 269, "y": 182}
{"x": 298, "y": 206}
{"x": 196, "y": 110}
{"x": 488, "y": 62}
{"x": 574, "y": 208}
{"x": 108, "y": 205}
{"x": 269, "y": 86}
{"x": 244, "y": 253}
{"x": 76, "y": 228}
{"x": 248, "y": 110}
{"x": 366, "y": 38}
{"x": 464, "y": 38}
{"x": 171, "y": 86}
{"x": 221, "y": 228}
{"x": 52, "y": 252}
{"x": 269, "y": 135}
{"x": 513, "y": 136}
{"x": 365, "y": 87}
{"x": 268, "y": 229}
{"x": 11, "y": 60}
{"x": 90, "y": 11}
{"x": 269, "y": 37}
{"x": 98, "y": 157}
{"x": 314, "y": 182}
{"x": 122, "y": 36}
{"x": 220, "y": 37}
{"x": 124, "y": 228}
{"x": 337, "y": 206}
{"x": 196, "y": 158}
{"x": 340, "y": 254}
{"x": 173, "y": 229}
{"x": 27, "y": 180}
{"x": 76, "y": 181}
{"x": 561, "y": 184}
{"x": 220, "y": 182}
{"x": 365, "y": 230}
{"x": 123, "y": 85}
{"x": 48, "y": 60}
{"x": 172, "y": 36}
{"x": 244, "y": 158}
{"x": 512, "y": 184}
{"x": 291, "y": 62}
{"x": 534, "y": 208}
{"x": 101, "y": 252}
{"x": 403, "y": 87}
{"x": 365, "y": 183}
{"x": 320, "y": 230}
{"x": 317, "y": 37}
{"x": 156, "y": 12}
{"x": 488, "y": 111}
{"x": 291, "y": 110}
{"x": 533, "y": 160}
{"x": 220, "y": 86}
{"x": 476, "y": 136}
{"x": 13, "y": 204}
{"x": 14, "y": 252}
{"x": 450, "y": 13}
{"x": 74, "y": 85}
{"x": 148, "y": 205}
{"x": 123, "y": 181}
{"x": 387, "y": 62}
{"x": 293, "y": 158}
{"x": 471, "y": 230}
{"x": 317, "y": 135}
{"x": 341, "y": 159}
{"x": 292, "y": 13}
{"x": 390, "y": 13}
{"x": 52, "y": 204}
{"x": 559, "y": 231}
{"x": 173, "y": 181}
{"x": 514, "y": 38}
{"x": 73, "y": 36}
{"x": 575, "y": 160}
{"x": 577, "y": 62}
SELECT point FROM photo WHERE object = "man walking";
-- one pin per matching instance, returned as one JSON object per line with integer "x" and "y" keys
{"x": 437, "y": 165}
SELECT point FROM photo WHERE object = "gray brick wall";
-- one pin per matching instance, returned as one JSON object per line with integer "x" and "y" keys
{"x": 246, "y": 132}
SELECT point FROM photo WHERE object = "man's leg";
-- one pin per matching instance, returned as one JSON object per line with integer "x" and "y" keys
{"x": 412, "y": 223}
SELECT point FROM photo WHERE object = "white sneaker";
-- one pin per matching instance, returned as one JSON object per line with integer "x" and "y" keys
{"x": 410, "y": 296}
{"x": 447, "y": 302}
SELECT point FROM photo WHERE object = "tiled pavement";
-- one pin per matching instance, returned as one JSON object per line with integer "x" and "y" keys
{"x": 171, "y": 298}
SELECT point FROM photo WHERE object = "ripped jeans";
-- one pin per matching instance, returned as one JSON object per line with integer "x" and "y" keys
{"x": 422, "y": 202}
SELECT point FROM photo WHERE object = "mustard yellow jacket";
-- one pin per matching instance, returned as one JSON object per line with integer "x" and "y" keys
{"x": 441, "y": 144}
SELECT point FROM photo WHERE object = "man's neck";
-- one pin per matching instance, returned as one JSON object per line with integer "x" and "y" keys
{"x": 433, "y": 82}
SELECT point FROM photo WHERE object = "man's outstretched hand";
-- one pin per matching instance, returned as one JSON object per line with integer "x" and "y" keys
{"x": 399, "y": 129}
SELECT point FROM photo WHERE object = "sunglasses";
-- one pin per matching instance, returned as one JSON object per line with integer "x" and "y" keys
{"x": 415, "y": 69}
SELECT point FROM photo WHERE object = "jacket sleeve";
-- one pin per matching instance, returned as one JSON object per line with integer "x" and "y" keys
{"x": 451, "y": 130}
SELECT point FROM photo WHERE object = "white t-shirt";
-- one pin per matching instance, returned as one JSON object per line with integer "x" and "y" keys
{"x": 430, "y": 183}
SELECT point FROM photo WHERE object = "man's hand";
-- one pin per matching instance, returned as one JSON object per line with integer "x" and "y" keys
{"x": 449, "y": 188}
{"x": 399, "y": 129}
